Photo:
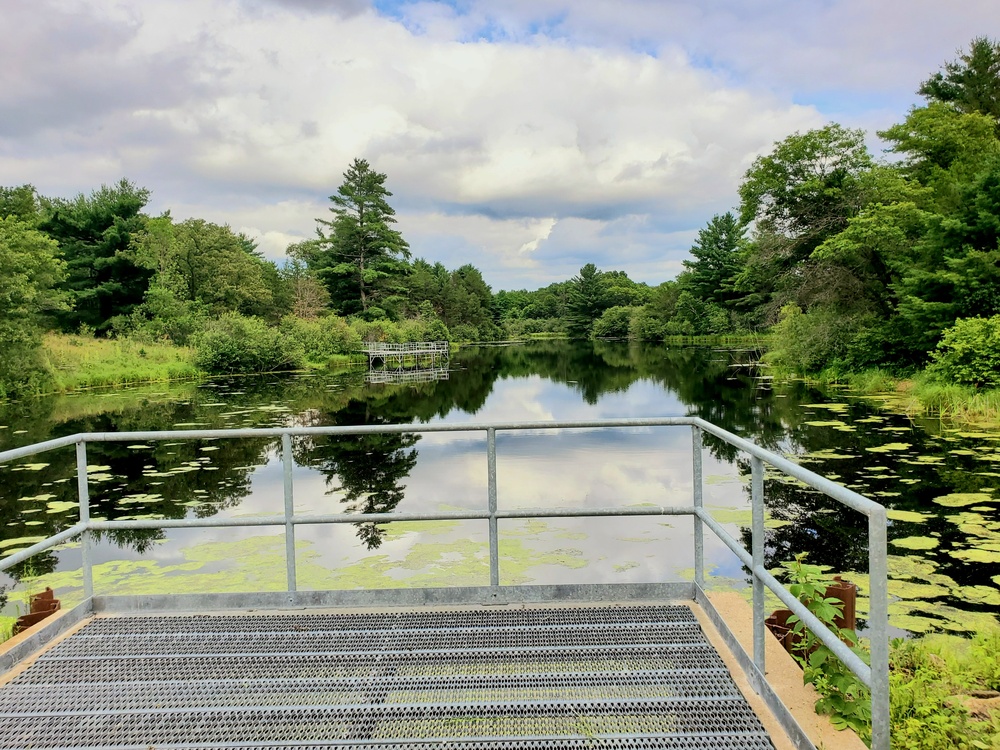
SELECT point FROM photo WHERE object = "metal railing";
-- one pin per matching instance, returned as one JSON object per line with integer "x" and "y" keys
{"x": 428, "y": 375}
{"x": 416, "y": 347}
{"x": 875, "y": 677}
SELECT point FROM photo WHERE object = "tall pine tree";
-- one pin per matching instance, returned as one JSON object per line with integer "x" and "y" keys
{"x": 716, "y": 264}
{"x": 360, "y": 254}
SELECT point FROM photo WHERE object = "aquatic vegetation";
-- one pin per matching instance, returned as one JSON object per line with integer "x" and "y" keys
{"x": 915, "y": 542}
{"x": 963, "y": 499}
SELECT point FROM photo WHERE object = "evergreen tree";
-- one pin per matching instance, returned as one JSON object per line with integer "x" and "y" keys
{"x": 360, "y": 253}
{"x": 586, "y": 301}
{"x": 94, "y": 232}
{"x": 710, "y": 275}
{"x": 971, "y": 83}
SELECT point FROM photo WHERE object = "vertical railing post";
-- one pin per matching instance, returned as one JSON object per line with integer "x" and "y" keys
{"x": 699, "y": 502}
{"x": 491, "y": 468}
{"x": 878, "y": 624}
{"x": 757, "y": 551}
{"x": 286, "y": 460}
{"x": 86, "y": 564}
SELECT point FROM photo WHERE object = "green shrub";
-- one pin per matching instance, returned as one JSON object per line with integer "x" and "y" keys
{"x": 527, "y": 326}
{"x": 162, "y": 317}
{"x": 338, "y": 336}
{"x": 925, "y": 711}
{"x": 969, "y": 353}
{"x": 22, "y": 369}
{"x": 678, "y": 328}
{"x": 238, "y": 344}
{"x": 806, "y": 343}
{"x": 843, "y": 697}
{"x": 412, "y": 330}
{"x": 378, "y": 330}
{"x": 614, "y": 322}
{"x": 437, "y": 331}
{"x": 646, "y": 325}
{"x": 466, "y": 332}
{"x": 322, "y": 338}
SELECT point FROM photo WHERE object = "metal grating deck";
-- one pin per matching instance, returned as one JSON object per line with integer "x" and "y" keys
{"x": 582, "y": 677}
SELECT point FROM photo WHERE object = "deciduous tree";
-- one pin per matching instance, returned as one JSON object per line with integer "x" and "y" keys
{"x": 29, "y": 273}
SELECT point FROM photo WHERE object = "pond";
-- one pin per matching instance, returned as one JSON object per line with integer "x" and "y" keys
{"x": 939, "y": 481}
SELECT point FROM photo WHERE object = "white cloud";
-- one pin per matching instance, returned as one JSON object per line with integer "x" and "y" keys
{"x": 553, "y": 140}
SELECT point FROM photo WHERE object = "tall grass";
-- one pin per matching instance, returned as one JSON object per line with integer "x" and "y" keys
{"x": 919, "y": 395}
{"x": 77, "y": 362}
{"x": 957, "y": 402}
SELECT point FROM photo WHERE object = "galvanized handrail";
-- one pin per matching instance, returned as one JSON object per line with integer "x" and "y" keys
{"x": 379, "y": 347}
{"x": 876, "y": 676}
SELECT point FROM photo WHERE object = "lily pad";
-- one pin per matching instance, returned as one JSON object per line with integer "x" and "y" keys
{"x": 977, "y": 555}
{"x": 831, "y": 407}
{"x": 907, "y": 516}
{"x": 915, "y": 542}
{"x": 979, "y": 594}
{"x": 888, "y": 447}
{"x": 61, "y": 506}
{"x": 911, "y": 590}
{"x": 25, "y": 541}
{"x": 962, "y": 499}
{"x": 913, "y": 623}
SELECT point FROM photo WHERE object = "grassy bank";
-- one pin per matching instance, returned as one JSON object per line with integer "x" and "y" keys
{"x": 77, "y": 362}
{"x": 918, "y": 395}
{"x": 944, "y": 692}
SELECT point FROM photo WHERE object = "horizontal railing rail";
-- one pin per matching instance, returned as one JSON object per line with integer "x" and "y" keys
{"x": 380, "y": 347}
{"x": 875, "y": 676}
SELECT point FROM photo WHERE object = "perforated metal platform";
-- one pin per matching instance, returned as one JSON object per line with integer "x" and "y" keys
{"x": 581, "y": 677}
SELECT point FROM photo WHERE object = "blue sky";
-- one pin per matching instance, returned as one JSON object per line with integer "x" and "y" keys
{"x": 528, "y": 137}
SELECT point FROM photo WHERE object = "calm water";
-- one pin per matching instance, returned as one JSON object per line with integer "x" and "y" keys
{"x": 939, "y": 482}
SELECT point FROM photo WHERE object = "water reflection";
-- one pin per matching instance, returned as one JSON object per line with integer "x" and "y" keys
{"x": 366, "y": 472}
{"x": 908, "y": 466}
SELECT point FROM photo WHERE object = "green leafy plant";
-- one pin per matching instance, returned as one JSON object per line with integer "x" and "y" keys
{"x": 928, "y": 680}
{"x": 842, "y": 695}
{"x": 969, "y": 353}
{"x": 238, "y": 344}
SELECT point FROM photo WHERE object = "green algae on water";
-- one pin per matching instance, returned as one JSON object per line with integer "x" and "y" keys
{"x": 962, "y": 499}
{"x": 915, "y": 542}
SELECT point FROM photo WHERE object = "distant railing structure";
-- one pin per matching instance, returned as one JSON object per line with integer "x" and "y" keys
{"x": 875, "y": 677}
{"x": 381, "y": 376}
{"x": 415, "y": 354}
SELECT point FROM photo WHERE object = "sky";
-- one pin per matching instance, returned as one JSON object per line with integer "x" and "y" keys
{"x": 527, "y": 137}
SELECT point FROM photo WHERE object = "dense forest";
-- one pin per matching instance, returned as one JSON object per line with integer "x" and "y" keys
{"x": 845, "y": 260}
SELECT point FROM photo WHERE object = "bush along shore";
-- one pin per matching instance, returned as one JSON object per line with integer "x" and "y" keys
{"x": 944, "y": 689}
{"x": 231, "y": 345}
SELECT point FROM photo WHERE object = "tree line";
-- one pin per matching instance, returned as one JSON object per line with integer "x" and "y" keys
{"x": 98, "y": 264}
{"x": 849, "y": 261}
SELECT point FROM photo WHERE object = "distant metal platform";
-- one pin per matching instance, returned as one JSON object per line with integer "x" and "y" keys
{"x": 395, "y": 377}
{"x": 426, "y": 355}
{"x": 491, "y": 677}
